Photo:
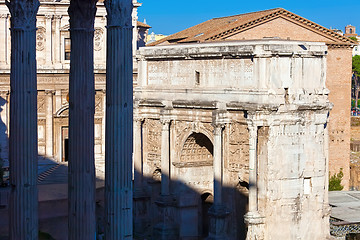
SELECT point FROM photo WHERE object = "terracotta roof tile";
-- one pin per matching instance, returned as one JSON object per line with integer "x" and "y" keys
{"x": 217, "y": 29}
{"x": 143, "y": 25}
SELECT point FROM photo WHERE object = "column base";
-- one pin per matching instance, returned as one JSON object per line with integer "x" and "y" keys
{"x": 142, "y": 223}
{"x": 255, "y": 225}
{"x": 218, "y": 222}
{"x": 166, "y": 229}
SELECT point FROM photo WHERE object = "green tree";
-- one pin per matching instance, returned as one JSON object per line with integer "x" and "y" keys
{"x": 356, "y": 77}
{"x": 353, "y": 38}
{"x": 335, "y": 181}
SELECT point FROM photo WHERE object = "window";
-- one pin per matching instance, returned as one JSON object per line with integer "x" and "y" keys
{"x": 197, "y": 78}
{"x": 67, "y": 44}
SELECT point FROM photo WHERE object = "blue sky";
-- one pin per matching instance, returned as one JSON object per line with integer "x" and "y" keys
{"x": 170, "y": 16}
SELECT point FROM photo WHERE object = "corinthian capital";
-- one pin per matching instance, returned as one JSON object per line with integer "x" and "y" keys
{"x": 119, "y": 13}
{"x": 23, "y": 13}
{"x": 82, "y": 14}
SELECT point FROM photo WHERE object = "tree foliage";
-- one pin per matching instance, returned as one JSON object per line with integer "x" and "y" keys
{"x": 335, "y": 181}
{"x": 353, "y": 38}
{"x": 356, "y": 65}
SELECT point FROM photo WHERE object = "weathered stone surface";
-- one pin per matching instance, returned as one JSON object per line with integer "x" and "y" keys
{"x": 270, "y": 99}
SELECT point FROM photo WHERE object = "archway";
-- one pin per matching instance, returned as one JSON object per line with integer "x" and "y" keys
{"x": 206, "y": 201}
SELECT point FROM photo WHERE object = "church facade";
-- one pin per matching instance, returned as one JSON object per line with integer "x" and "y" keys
{"x": 53, "y": 62}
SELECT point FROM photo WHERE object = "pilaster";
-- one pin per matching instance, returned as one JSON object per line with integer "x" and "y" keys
{"x": 119, "y": 121}
{"x": 23, "y": 209}
{"x": 3, "y": 37}
{"x": 82, "y": 222}
{"x": 49, "y": 124}
{"x": 48, "y": 41}
{"x": 56, "y": 41}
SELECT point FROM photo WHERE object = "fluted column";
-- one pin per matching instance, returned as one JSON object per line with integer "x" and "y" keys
{"x": 253, "y": 169}
{"x": 119, "y": 121}
{"x": 23, "y": 121}
{"x": 49, "y": 124}
{"x": 166, "y": 229}
{"x": 81, "y": 190}
{"x": 165, "y": 157}
{"x": 253, "y": 218}
{"x": 218, "y": 211}
{"x": 138, "y": 166}
{"x": 218, "y": 164}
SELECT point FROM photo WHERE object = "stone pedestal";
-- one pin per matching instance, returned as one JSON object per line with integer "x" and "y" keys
{"x": 142, "y": 224}
{"x": 166, "y": 229}
{"x": 255, "y": 226}
{"x": 218, "y": 222}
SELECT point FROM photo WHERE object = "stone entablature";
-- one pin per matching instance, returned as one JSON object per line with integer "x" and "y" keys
{"x": 260, "y": 109}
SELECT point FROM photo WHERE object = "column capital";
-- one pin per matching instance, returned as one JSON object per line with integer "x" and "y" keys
{"x": 218, "y": 127}
{"x": 4, "y": 15}
{"x": 49, "y": 16}
{"x": 138, "y": 119}
{"x": 119, "y": 13}
{"x": 82, "y": 14}
{"x": 165, "y": 123}
{"x": 23, "y": 13}
{"x": 49, "y": 92}
{"x": 57, "y": 17}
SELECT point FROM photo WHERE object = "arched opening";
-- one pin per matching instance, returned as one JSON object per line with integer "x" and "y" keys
{"x": 197, "y": 148}
{"x": 207, "y": 201}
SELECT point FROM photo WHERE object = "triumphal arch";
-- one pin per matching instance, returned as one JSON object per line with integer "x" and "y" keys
{"x": 231, "y": 141}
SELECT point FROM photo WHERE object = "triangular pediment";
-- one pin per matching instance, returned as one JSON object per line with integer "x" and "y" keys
{"x": 281, "y": 28}
{"x": 278, "y": 23}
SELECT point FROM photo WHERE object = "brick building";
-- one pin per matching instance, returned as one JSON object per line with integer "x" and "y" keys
{"x": 281, "y": 24}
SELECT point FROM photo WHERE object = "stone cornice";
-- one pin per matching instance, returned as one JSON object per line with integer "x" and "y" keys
{"x": 82, "y": 14}
{"x": 23, "y": 13}
{"x": 119, "y": 13}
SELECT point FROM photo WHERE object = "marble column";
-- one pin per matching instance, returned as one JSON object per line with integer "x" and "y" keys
{"x": 81, "y": 189}
{"x": 138, "y": 165}
{"x": 218, "y": 211}
{"x": 23, "y": 206}
{"x": 119, "y": 122}
{"x": 141, "y": 198}
{"x": 166, "y": 228}
{"x": 254, "y": 220}
{"x": 49, "y": 124}
{"x": 165, "y": 157}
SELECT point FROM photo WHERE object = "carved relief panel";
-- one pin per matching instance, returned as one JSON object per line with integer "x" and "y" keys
{"x": 237, "y": 151}
{"x": 152, "y": 145}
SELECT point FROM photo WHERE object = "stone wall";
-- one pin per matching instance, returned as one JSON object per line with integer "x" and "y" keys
{"x": 269, "y": 102}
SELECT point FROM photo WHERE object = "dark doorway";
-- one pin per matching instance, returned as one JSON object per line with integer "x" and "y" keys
{"x": 206, "y": 202}
{"x": 65, "y": 143}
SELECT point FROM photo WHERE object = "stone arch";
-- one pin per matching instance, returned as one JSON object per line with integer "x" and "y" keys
{"x": 63, "y": 111}
{"x": 197, "y": 148}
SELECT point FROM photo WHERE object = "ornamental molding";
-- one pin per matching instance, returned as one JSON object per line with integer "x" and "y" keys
{"x": 98, "y": 39}
{"x": 119, "y": 13}
{"x": 40, "y": 38}
{"x": 82, "y": 14}
{"x": 23, "y": 13}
